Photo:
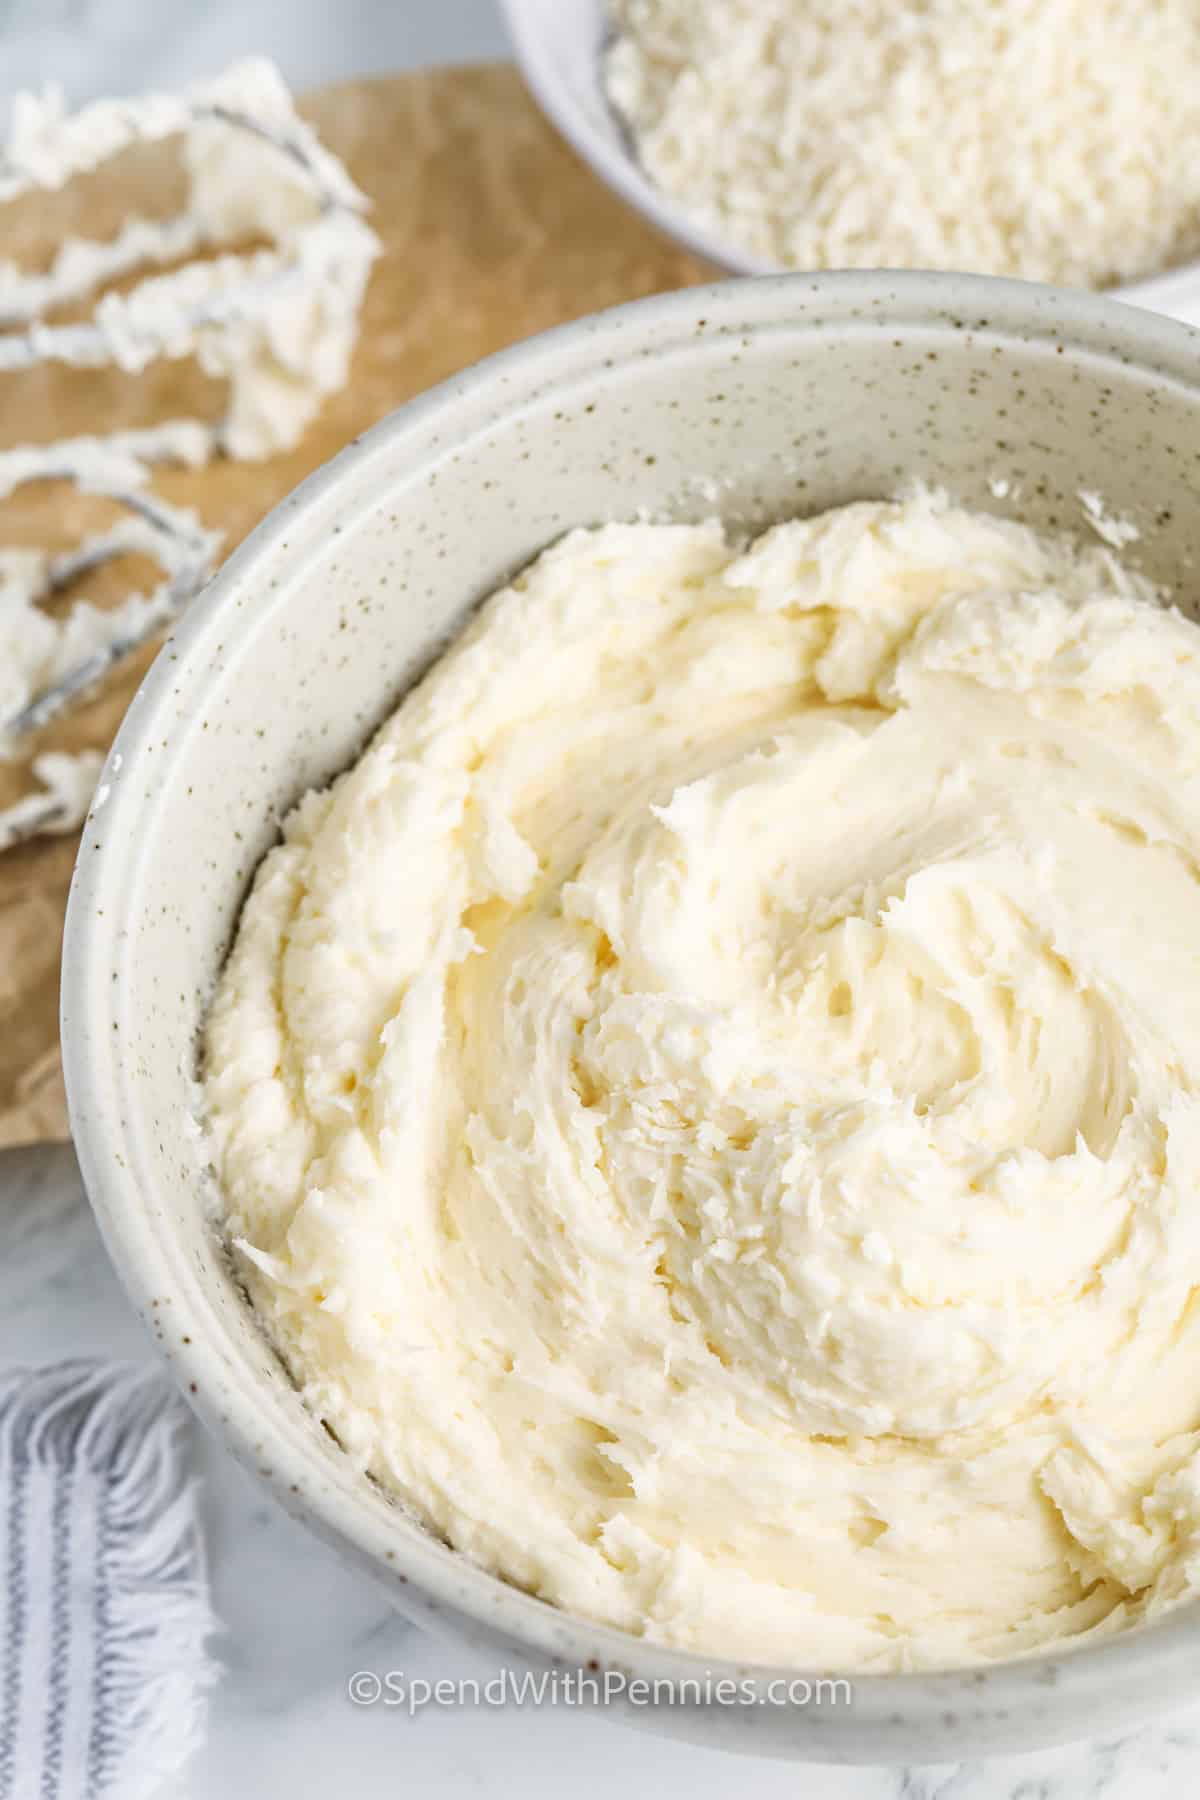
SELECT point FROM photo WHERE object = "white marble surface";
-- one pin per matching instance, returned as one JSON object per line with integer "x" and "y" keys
{"x": 297, "y": 1625}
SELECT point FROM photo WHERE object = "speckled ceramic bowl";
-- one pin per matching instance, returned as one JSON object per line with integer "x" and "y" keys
{"x": 760, "y": 399}
{"x": 559, "y": 46}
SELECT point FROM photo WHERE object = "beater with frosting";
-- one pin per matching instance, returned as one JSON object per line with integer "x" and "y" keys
{"x": 708, "y": 1106}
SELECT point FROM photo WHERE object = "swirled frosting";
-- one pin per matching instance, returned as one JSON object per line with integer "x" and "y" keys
{"x": 708, "y": 1105}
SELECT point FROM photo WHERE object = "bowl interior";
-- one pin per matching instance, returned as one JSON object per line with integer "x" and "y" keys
{"x": 755, "y": 400}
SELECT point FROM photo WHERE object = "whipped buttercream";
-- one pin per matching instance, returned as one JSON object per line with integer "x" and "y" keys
{"x": 66, "y": 787}
{"x": 278, "y": 324}
{"x": 709, "y": 1106}
{"x": 45, "y": 661}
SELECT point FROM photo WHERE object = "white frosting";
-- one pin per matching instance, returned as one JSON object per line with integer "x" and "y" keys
{"x": 279, "y": 325}
{"x": 67, "y": 782}
{"x": 80, "y": 266}
{"x": 709, "y": 1105}
{"x": 38, "y": 650}
{"x": 46, "y": 145}
{"x": 117, "y": 463}
{"x": 45, "y": 659}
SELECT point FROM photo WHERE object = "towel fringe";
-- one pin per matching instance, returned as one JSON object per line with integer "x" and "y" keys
{"x": 123, "y": 1424}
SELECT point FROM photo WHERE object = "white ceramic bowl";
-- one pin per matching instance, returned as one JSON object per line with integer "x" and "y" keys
{"x": 558, "y": 45}
{"x": 763, "y": 398}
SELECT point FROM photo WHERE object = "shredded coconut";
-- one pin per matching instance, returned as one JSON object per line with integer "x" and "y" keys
{"x": 1115, "y": 532}
{"x": 1057, "y": 140}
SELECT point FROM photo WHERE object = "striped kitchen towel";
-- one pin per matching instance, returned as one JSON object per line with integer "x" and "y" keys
{"x": 104, "y": 1605}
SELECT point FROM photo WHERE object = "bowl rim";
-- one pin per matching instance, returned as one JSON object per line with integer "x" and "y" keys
{"x": 1125, "y": 1678}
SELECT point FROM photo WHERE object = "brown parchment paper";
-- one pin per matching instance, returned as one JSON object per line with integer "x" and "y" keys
{"x": 492, "y": 230}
